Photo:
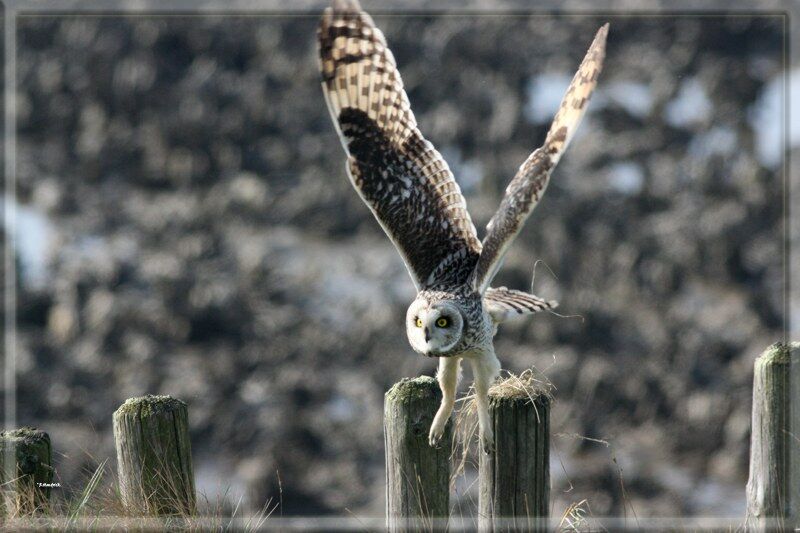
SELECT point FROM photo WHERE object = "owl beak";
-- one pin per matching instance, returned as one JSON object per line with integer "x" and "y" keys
{"x": 427, "y": 335}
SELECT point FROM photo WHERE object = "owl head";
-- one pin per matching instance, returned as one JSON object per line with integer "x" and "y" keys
{"x": 434, "y": 327}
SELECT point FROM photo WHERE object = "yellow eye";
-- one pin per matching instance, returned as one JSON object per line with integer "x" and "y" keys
{"x": 419, "y": 322}
{"x": 442, "y": 322}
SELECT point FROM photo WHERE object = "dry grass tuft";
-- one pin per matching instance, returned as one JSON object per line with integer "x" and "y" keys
{"x": 96, "y": 504}
{"x": 574, "y": 517}
{"x": 530, "y": 383}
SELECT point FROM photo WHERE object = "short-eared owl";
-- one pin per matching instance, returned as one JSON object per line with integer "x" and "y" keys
{"x": 413, "y": 194}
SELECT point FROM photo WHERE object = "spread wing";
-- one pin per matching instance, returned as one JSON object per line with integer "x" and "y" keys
{"x": 399, "y": 175}
{"x": 527, "y": 187}
{"x": 502, "y": 303}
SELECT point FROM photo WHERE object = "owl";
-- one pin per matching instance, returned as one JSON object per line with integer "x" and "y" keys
{"x": 410, "y": 189}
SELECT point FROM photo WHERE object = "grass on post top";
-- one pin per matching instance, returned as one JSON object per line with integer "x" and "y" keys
{"x": 529, "y": 384}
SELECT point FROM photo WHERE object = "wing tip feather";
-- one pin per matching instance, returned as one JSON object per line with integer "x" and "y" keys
{"x": 597, "y": 50}
{"x": 602, "y": 33}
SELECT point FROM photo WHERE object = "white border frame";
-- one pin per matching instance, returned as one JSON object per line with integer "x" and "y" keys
{"x": 791, "y": 198}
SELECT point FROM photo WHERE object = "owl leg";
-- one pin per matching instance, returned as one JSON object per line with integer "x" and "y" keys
{"x": 447, "y": 375}
{"x": 485, "y": 369}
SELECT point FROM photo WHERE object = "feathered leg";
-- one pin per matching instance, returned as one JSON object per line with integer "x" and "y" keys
{"x": 485, "y": 368}
{"x": 447, "y": 375}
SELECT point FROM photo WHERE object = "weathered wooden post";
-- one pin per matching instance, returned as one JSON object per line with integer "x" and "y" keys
{"x": 154, "y": 456}
{"x": 26, "y": 474}
{"x": 417, "y": 475}
{"x": 514, "y": 480}
{"x": 773, "y": 489}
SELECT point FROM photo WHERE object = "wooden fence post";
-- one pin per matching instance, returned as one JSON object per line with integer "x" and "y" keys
{"x": 773, "y": 488}
{"x": 417, "y": 475}
{"x": 154, "y": 456}
{"x": 26, "y": 471}
{"x": 514, "y": 480}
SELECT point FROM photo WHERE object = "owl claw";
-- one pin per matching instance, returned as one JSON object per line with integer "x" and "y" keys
{"x": 487, "y": 441}
{"x": 435, "y": 436}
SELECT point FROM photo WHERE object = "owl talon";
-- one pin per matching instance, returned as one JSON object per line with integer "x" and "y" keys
{"x": 435, "y": 437}
{"x": 487, "y": 441}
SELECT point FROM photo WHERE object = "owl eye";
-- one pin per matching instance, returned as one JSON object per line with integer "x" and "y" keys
{"x": 442, "y": 322}
{"x": 419, "y": 322}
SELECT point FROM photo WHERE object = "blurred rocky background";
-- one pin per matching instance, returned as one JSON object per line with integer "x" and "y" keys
{"x": 185, "y": 226}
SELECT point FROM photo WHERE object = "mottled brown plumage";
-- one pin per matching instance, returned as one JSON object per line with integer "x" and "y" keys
{"x": 399, "y": 174}
{"x": 414, "y": 196}
{"x": 527, "y": 187}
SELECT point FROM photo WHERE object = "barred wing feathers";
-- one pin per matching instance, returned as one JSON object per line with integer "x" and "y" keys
{"x": 502, "y": 303}
{"x": 527, "y": 187}
{"x": 400, "y": 176}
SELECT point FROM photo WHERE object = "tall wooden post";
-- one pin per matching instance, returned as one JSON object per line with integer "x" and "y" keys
{"x": 514, "y": 480}
{"x": 417, "y": 475}
{"x": 773, "y": 489}
{"x": 26, "y": 472}
{"x": 154, "y": 457}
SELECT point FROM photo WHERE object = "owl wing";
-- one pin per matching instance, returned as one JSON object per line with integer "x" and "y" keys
{"x": 527, "y": 187}
{"x": 399, "y": 175}
{"x": 502, "y": 303}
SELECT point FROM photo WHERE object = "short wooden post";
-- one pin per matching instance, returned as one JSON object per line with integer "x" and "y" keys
{"x": 154, "y": 457}
{"x": 773, "y": 488}
{"x": 417, "y": 475}
{"x": 26, "y": 474}
{"x": 514, "y": 480}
